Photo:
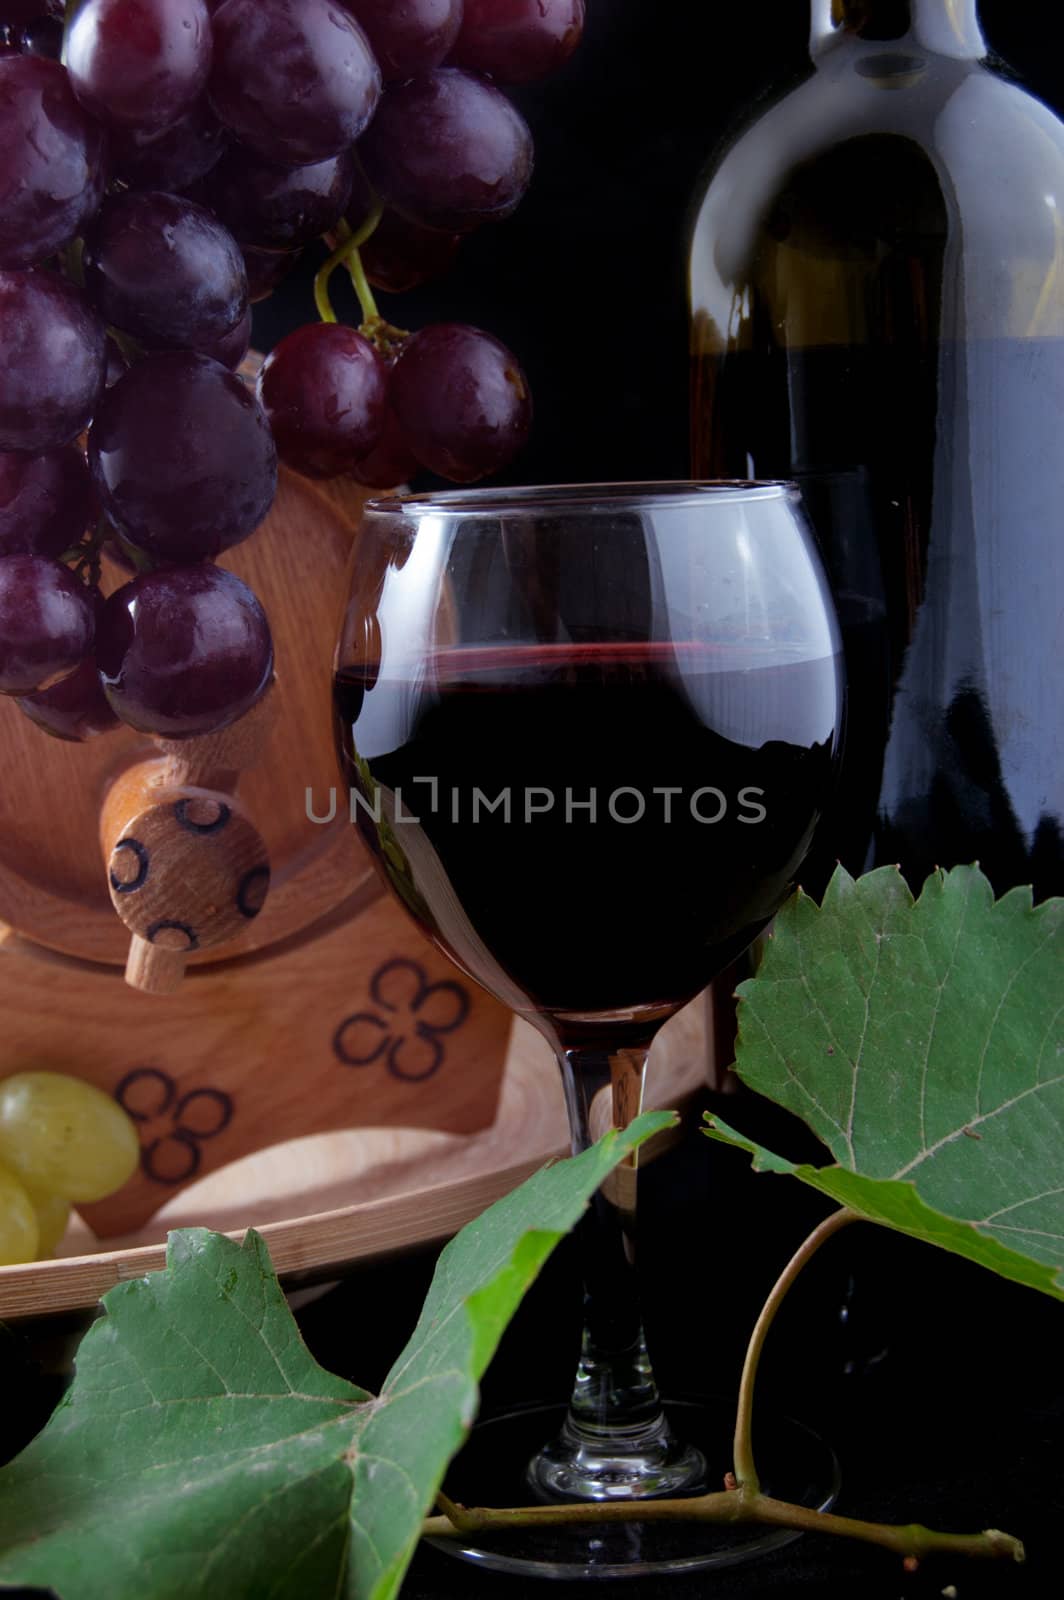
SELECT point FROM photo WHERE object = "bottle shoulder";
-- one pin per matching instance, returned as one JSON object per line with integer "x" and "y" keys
{"x": 956, "y": 163}
{"x": 957, "y": 113}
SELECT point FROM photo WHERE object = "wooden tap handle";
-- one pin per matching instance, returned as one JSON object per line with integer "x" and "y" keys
{"x": 186, "y": 866}
{"x": 187, "y": 871}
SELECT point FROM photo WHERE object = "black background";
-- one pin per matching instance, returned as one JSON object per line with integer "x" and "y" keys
{"x": 961, "y": 1422}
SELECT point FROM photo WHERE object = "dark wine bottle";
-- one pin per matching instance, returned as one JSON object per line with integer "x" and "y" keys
{"x": 877, "y": 299}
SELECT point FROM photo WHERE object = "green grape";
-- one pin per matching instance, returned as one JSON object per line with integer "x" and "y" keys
{"x": 18, "y": 1222}
{"x": 53, "y": 1214}
{"x": 65, "y": 1136}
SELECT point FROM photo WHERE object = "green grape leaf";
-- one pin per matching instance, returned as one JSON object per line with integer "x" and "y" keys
{"x": 923, "y": 1042}
{"x": 201, "y": 1450}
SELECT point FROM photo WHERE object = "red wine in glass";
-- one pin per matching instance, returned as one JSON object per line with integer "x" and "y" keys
{"x": 667, "y": 791}
{"x": 588, "y": 735}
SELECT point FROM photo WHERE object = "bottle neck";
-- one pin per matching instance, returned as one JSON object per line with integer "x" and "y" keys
{"x": 946, "y": 27}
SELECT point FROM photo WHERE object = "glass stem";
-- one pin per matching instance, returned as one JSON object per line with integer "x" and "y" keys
{"x": 614, "y": 1382}
{"x": 615, "y": 1442}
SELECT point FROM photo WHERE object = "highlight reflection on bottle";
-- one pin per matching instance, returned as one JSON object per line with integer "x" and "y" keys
{"x": 877, "y": 282}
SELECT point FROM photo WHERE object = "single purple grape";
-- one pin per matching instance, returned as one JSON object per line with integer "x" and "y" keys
{"x": 182, "y": 457}
{"x": 401, "y": 255}
{"x": 449, "y": 151}
{"x": 174, "y": 159}
{"x": 47, "y": 623}
{"x": 184, "y": 651}
{"x": 411, "y": 36}
{"x": 462, "y": 401}
{"x": 278, "y": 208}
{"x": 266, "y": 269}
{"x": 75, "y": 709}
{"x": 52, "y": 360}
{"x": 231, "y": 349}
{"x": 139, "y": 63}
{"x": 295, "y": 80}
{"x": 517, "y": 41}
{"x": 47, "y": 502}
{"x": 53, "y": 170}
{"x": 391, "y": 463}
{"x": 324, "y": 390}
{"x": 165, "y": 270}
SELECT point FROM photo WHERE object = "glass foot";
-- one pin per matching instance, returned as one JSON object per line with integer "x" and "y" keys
{"x": 795, "y": 1464}
{"x": 643, "y": 1463}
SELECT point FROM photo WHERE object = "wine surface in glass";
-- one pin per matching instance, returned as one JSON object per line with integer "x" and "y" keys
{"x": 600, "y": 826}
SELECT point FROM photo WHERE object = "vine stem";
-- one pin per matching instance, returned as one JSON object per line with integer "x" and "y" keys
{"x": 347, "y": 255}
{"x": 742, "y": 1501}
{"x": 731, "y": 1506}
{"x": 746, "y": 1475}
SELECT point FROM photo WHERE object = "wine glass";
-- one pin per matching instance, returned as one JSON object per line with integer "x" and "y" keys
{"x": 589, "y": 732}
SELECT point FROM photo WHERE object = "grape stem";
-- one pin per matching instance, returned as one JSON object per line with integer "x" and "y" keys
{"x": 347, "y": 255}
{"x": 741, "y": 1501}
{"x": 87, "y": 555}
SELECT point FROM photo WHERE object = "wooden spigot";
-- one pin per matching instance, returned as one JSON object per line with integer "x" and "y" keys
{"x": 187, "y": 868}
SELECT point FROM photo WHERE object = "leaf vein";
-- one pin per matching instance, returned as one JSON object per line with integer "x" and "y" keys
{"x": 966, "y": 1127}
{"x": 1010, "y": 985}
{"x": 386, "y": 1461}
{"x": 319, "y": 1538}
{"x": 218, "y": 1547}
{"x": 1028, "y": 1200}
{"x": 391, "y": 1394}
{"x": 800, "y": 1086}
{"x": 962, "y": 923}
{"x": 859, "y": 1052}
{"x": 1034, "y": 1233}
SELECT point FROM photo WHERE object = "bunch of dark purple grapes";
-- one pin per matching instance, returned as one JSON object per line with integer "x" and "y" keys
{"x": 163, "y": 163}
